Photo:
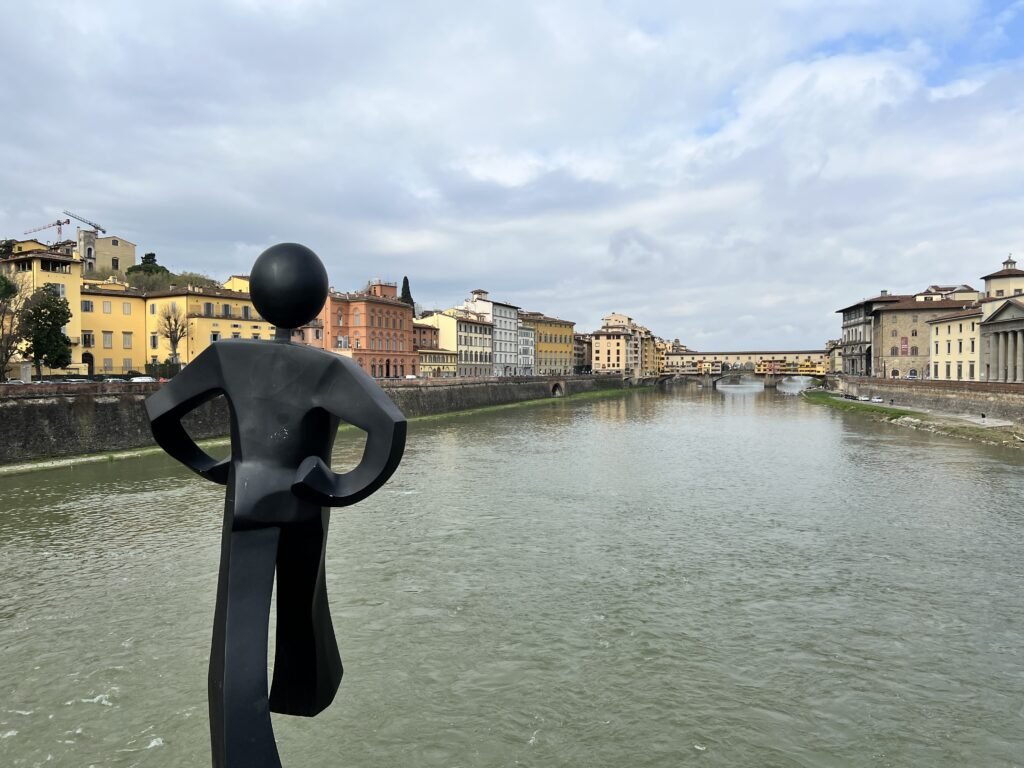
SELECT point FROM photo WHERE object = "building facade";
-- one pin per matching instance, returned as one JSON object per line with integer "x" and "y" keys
{"x": 553, "y": 343}
{"x": 113, "y": 330}
{"x": 582, "y": 353}
{"x": 527, "y": 350}
{"x": 504, "y": 320}
{"x": 955, "y": 346}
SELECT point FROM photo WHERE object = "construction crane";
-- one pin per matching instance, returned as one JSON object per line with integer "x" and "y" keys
{"x": 59, "y": 223}
{"x": 92, "y": 224}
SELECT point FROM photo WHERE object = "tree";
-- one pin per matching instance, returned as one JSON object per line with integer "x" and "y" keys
{"x": 196, "y": 279}
{"x": 12, "y": 299}
{"x": 6, "y": 248}
{"x": 42, "y": 324}
{"x": 406, "y": 293}
{"x": 173, "y": 326}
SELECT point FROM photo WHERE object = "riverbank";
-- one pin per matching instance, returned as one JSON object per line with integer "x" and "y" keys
{"x": 44, "y": 464}
{"x": 999, "y": 432}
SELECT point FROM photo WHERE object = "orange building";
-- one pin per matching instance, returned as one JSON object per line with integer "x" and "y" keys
{"x": 372, "y": 327}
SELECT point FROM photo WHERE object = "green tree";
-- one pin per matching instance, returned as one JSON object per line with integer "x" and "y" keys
{"x": 406, "y": 293}
{"x": 12, "y": 298}
{"x": 196, "y": 279}
{"x": 6, "y": 248}
{"x": 42, "y": 324}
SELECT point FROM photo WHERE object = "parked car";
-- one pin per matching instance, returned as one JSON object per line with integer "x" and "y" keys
{"x": 142, "y": 380}
{"x": 410, "y": 376}
{"x": 14, "y": 381}
{"x": 877, "y": 399}
{"x": 864, "y": 398}
{"x": 76, "y": 381}
{"x": 114, "y": 380}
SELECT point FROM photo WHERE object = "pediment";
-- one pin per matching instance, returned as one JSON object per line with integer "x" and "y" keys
{"x": 1012, "y": 309}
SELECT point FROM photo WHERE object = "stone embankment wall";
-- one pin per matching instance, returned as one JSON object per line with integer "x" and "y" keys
{"x": 1001, "y": 401}
{"x": 48, "y": 421}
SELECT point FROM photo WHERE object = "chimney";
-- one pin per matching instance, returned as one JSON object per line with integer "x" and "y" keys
{"x": 885, "y": 293}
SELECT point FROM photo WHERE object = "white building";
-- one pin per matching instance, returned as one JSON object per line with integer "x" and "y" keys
{"x": 505, "y": 319}
{"x": 527, "y": 350}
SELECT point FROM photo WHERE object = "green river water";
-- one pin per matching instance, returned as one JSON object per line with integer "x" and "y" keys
{"x": 659, "y": 579}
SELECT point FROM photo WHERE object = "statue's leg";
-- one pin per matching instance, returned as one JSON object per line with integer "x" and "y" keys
{"x": 240, "y": 727}
{"x": 307, "y": 665}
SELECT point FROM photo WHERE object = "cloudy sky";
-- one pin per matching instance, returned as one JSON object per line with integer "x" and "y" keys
{"x": 727, "y": 173}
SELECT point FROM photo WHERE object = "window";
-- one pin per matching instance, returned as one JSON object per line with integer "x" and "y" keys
{"x": 355, "y": 317}
{"x": 115, "y": 241}
{"x": 893, "y": 334}
{"x": 999, "y": 293}
{"x": 152, "y": 309}
{"x": 126, "y": 340}
{"x": 949, "y": 348}
{"x": 106, "y": 308}
{"x": 256, "y": 336}
{"x": 970, "y": 370}
{"x": 126, "y": 307}
{"x": 88, "y": 339}
{"x": 972, "y": 349}
{"x": 894, "y": 351}
{"x": 108, "y": 339}
{"x": 236, "y": 335}
{"x": 214, "y": 336}
{"x": 246, "y": 312}
{"x": 86, "y": 305}
{"x": 936, "y": 374}
{"x": 936, "y": 347}
{"x": 108, "y": 364}
{"x": 154, "y": 341}
{"x": 913, "y": 351}
{"x": 227, "y": 310}
{"x": 960, "y": 345}
{"x": 948, "y": 371}
{"x": 115, "y": 263}
{"x": 913, "y": 331}
{"x": 208, "y": 309}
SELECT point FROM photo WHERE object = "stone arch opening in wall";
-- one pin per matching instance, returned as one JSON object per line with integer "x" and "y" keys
{"x": 387, "y": 368}
{"x": 89, "y": 362}
{"x": 557, "y": 389}
{"x": 895, "y": 373}
{"x": 913, "y": 373}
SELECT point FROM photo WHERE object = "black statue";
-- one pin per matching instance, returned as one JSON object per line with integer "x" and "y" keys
{"x": 286, "y": 401}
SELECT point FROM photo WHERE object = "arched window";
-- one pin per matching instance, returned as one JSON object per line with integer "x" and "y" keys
{"x": 893, "y": 334}
{"x": 913, "y": 331}
{"x": 893, "y": 351}
{"x": 355, "y": 317}
{"x": 913, "y": 351}
{"x": 341, "y": 318}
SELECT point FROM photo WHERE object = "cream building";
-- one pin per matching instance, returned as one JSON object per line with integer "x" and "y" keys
{"x": 799, "y": 363}
{"x": 504, "y": 319}
{"x": 469, "y": 334}
{"x": 97, "y": 254}
{"x": 956, "y": 346}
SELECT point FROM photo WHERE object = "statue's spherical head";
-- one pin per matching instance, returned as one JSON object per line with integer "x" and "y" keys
{"x": 288, "y": 285}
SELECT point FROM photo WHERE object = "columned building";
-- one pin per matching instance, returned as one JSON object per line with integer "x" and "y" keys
{"x": 1002, "y": 325}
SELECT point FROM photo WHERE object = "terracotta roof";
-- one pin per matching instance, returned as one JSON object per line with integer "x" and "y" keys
{"x": 896, "y": 297}
{"x": 99, "y": 290}
{"x": 191, "y": 290}
{"x": 973, "y": 312}
{"x": 910, "y": 304}
{"x": 360, "y": 296}
{"x": 1004, "y": 273}
{"x": 541, "y": 317}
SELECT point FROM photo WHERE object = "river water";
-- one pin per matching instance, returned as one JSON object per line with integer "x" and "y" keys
{"x": 659, "y": 579}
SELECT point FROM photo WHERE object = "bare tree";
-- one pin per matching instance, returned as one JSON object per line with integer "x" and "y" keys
{"x": 173, "y": 326}
{"x": 12, "y": 301}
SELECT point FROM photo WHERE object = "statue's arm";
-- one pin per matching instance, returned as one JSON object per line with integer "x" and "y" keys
{"x": 351, "y": 395}
{"x": 198, "y": 382}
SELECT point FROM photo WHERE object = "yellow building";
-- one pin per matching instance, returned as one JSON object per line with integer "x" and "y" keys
{"x": 438, "y": 363}
{"x": 207, "y": 314}
{"x": 955, "y": 349}
{"x": 794, "y": 363}
{"x": 469, "y": 334}
{"x": 238, "y": 283}
{"x": 553, "y": 344}
{"x": 110, "y": 254}
{"x": 56, "y": 266}
{"x": 112, "y": 317}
